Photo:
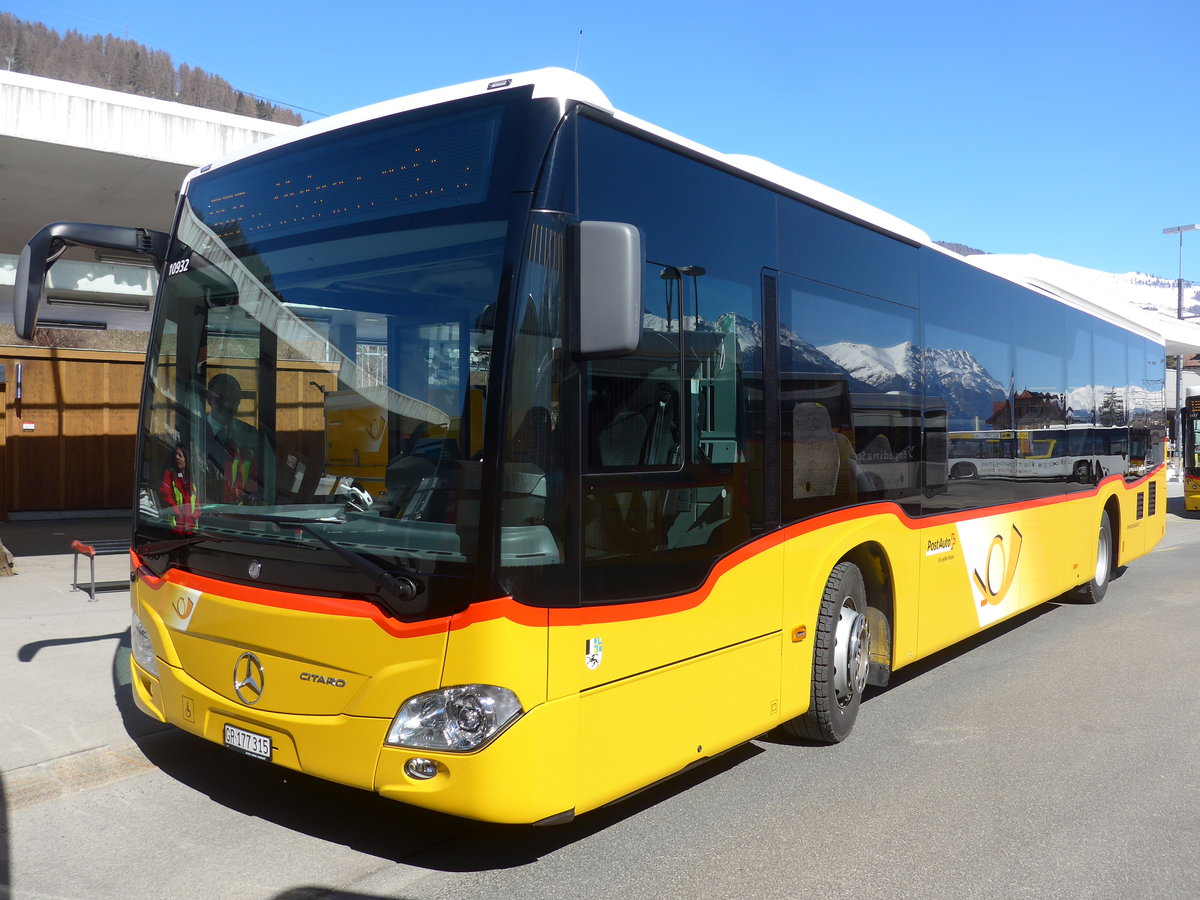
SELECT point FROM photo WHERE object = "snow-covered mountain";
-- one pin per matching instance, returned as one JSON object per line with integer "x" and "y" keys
{"x": 1141, "y": 291}
{"x": 883, "y": 368}
{"x": 1149, "y": 292}
{"x": 954, "y": 376}
{"x": 795, "y": 353}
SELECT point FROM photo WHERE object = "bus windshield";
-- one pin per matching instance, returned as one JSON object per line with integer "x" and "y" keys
{"x": 320, "y": 359}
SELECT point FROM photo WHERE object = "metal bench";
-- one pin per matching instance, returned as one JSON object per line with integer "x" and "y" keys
{"x": 92, "y": 549}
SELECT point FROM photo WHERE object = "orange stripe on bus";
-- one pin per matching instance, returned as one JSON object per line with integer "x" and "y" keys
{"x": 536, "y": 617}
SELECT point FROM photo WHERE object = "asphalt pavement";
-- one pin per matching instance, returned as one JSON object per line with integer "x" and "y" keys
{"x": 59, "y": 726}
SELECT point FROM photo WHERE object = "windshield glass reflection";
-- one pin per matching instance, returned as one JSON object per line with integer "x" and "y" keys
{"x": 332, "y": 379}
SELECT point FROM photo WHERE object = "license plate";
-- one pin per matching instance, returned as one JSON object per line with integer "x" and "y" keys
{"x": 256, "y": 745}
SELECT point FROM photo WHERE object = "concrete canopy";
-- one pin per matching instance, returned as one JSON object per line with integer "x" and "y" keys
{"x": 43, "y": 182}
{"x": 74, "y": 153}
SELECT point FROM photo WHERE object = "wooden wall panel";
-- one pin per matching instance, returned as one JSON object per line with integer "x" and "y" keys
{"x": 83, "y": 409}
{"x": 68, "y": 439}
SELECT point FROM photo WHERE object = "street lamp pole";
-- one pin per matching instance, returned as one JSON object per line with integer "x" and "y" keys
{"x": 1179, "y": 230}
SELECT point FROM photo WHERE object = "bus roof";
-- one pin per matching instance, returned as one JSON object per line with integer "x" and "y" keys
{"x": 571, "y": 87}
{"x": 1057, "y": 279}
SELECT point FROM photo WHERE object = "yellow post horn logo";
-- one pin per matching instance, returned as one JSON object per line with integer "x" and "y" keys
{"x": 1003, "y": 571}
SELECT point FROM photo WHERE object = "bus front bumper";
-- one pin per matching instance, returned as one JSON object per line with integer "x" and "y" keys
{"x": 525, "y": 775}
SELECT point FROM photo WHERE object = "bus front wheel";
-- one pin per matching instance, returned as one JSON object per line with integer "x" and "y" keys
{"x": 1095, "y": 589}
{"x": 841, "y": 657}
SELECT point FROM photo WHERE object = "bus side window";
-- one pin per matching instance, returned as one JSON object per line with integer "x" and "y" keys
{"x": 664, "y": 430}
{"x": 642, "y": 429}
{"x": 816, "y": 452}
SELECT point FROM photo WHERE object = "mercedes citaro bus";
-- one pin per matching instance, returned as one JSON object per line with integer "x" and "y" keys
{"x": 504, "y": 454}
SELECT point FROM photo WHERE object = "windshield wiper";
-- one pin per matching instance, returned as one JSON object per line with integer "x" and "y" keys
{"x": 393, "y": 592}
{"x": 161, "y": 548}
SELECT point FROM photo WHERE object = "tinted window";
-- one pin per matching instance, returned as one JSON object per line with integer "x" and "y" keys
{"x": 850, "y": 399}
{"x": 1081, "y": 401}
{"x": 825, "y": 248}
{"x": 670, "y": 456}
{"x": 1144, "y": 404}
{"x": 1040, "y": 399}
{"x": 532, "y": 509}
{"x": 1110, "y": 368}
{"x": 690, "y": 213}
{"x": 1155, "y": 402}
{"x": 968, "y": 336}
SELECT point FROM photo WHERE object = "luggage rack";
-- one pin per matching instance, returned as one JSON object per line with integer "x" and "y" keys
{"x": 92, "y": 549}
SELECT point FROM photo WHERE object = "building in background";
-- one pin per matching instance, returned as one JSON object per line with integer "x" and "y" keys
{"x": 75, "y": 153}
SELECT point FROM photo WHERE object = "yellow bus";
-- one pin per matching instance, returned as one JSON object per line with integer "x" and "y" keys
{"x": 663, "y": 441}
{"x": 1081, "y": 453}
{"x": 1191, "y": 449}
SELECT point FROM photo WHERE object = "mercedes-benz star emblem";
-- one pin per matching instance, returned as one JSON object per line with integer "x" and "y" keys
{"x": 248, "y": 679}
{"x": 255, "y": 568}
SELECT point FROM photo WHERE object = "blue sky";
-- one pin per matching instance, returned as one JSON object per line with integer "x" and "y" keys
{"x": 1066, "y": 129}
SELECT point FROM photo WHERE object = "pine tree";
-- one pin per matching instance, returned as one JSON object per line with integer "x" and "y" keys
{"x": 245, "y": 105}
{"x": 123, "y": 65}
{"x": 1112, "y": 409}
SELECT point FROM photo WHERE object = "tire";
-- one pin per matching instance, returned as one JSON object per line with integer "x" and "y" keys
{"x": 841, "y": 657}
{"x": 1094, "y": 590}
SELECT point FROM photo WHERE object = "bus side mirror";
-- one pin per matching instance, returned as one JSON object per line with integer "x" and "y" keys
{"x": 45, "y": 247}
{"x": 608, "y": 266}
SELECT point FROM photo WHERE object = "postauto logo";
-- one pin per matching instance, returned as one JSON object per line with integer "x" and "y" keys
{"x": 991, "y": 551}
{"x": 940, "y": 545}
{"x": 999, "y": 568}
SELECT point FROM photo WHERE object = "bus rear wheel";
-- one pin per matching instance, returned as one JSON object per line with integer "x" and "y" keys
{"x": 1097, "y": 587}
{"x": 841, "y": 657}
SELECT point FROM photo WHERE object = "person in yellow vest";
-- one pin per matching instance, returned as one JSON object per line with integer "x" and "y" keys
{"x": 179, "y": 493}
{"x": 241, "y": 477}
{"x": 230, "y": 442}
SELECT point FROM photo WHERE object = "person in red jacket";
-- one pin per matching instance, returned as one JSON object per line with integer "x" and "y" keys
{"x": 178, "y": 493}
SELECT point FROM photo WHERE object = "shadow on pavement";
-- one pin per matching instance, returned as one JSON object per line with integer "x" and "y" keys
{"x": 1175, "y": 507}
{"x": 313, "y": 892}
{"x": 383, "y": 828}
{"x": 52, "y": 537}
{"x": 5, "y": 863}
{"x": 929, "y": 663}
{"x": 365, "y": 821}
{"x": 30, "y": 650}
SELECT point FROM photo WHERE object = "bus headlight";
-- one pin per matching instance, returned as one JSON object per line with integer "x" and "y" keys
{"x": 461, "y": 718}
{"x": 143, "y": 649}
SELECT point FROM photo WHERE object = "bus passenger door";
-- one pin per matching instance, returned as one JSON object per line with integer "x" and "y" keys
{"x": 672, "y": 626}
